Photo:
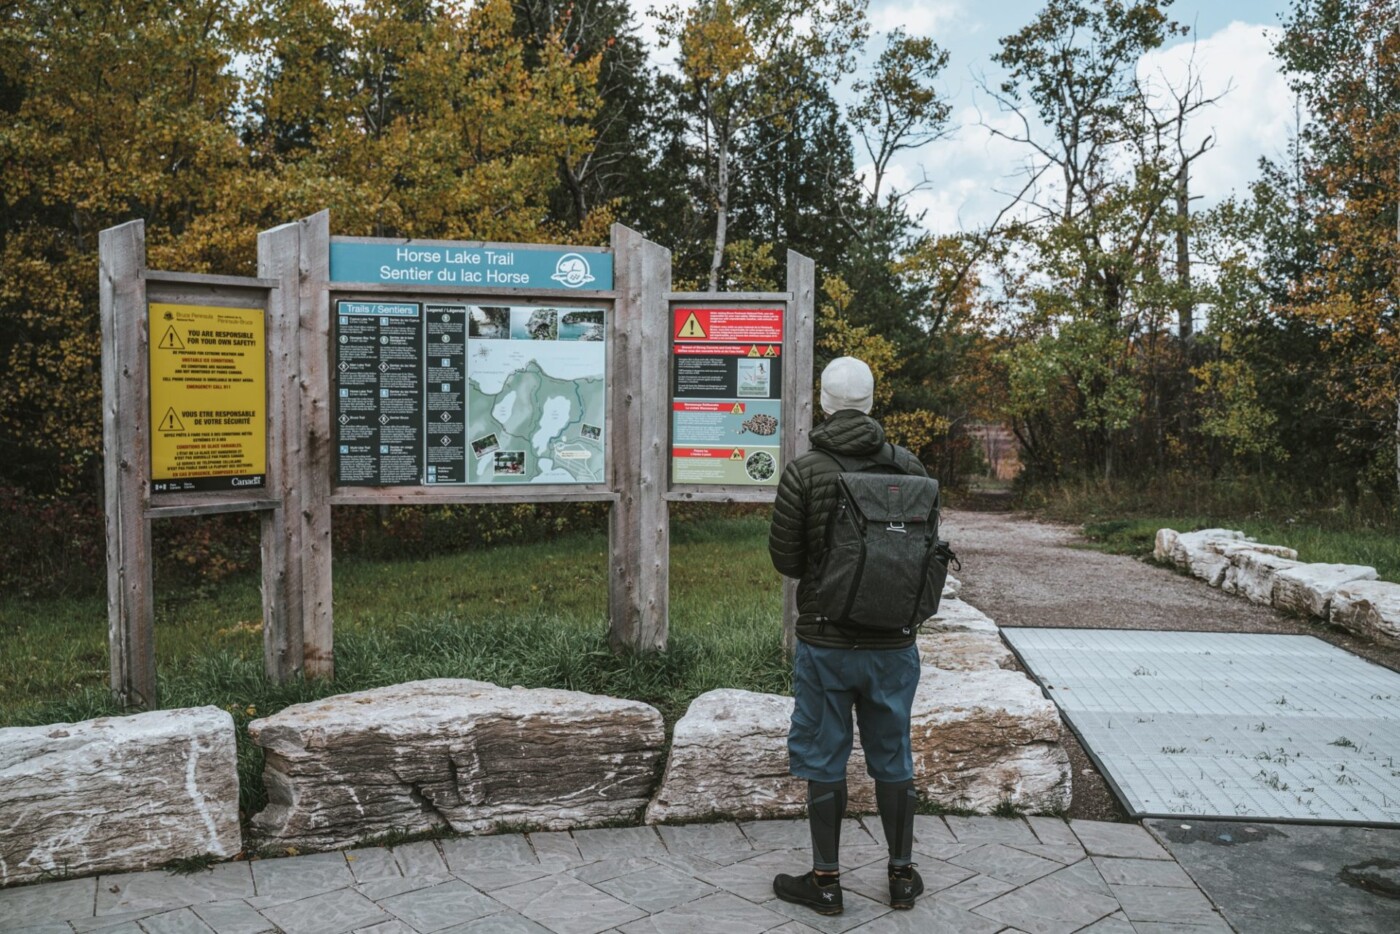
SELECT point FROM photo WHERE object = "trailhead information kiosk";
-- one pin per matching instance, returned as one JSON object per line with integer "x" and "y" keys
{"x": 355, "y": 371}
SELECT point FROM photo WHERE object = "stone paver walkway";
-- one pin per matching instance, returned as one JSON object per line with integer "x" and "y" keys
{"x": 984, "y": 875}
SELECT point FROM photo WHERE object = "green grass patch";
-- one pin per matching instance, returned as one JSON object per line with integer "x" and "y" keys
{"x": 532, "y": 615}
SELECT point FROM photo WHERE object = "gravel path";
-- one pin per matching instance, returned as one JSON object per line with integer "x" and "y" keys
{"x": 1022, "y": 572}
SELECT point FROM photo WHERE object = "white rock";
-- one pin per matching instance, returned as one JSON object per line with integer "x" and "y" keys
{"x": 1163, "y": 544}
{"x": 729, "y": 759}
{"x": 962, "y": 638}
{"x": 1368, "y": 608}
{"x": 1251, "y": 574}
{"x": 979, "y": 737}
{"x": 117, "y": 793}
{"x": 453, "y": 752}
{"x": 1193, "y": 553}
{"x": 951, "y": 586}
{"x": 1307, "y": 589}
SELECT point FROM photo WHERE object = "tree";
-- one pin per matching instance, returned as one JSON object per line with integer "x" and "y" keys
{"x": 739, "y": 62}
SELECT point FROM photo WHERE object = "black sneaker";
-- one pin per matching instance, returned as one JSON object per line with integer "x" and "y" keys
{"x": 905, "y": 886}
{"x": 806, "y": 890}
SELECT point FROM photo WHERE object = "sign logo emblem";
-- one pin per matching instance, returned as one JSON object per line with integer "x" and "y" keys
{"x": 572, "y": 271}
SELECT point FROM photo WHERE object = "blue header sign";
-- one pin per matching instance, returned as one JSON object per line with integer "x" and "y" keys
{"x": 514, "y": 266}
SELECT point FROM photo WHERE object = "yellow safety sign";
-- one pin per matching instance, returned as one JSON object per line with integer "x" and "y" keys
{"x": 738, "y": 454}
{"x": 738, "y": 409}
{"x": 208, "y": 399}
{"x": 692, "y": 328}
{"x": 771, "y": 351}
{"x": 753, "y": 350}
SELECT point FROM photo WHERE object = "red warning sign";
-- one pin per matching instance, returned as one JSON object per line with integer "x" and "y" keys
{"x": 728, "y": 350}
{"x": 733, "y": 408}
{"x": 728, "y": 324}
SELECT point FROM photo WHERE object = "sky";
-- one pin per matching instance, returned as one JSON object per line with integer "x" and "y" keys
{"x": 971, "y": 175}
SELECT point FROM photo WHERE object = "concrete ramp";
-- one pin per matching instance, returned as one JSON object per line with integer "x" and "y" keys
{"x": 1233, "y": 725}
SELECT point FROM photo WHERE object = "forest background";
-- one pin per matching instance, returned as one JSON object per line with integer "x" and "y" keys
{"x": 1129, "y": 340}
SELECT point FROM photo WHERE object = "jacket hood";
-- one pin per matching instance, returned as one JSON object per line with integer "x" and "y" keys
{"x": 849, "y": 432}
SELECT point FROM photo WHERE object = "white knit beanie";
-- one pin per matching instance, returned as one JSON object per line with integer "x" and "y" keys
{"x": 847, "y": 384}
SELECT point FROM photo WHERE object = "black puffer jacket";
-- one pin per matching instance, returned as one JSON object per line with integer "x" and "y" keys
{"x": 807, "y": 494}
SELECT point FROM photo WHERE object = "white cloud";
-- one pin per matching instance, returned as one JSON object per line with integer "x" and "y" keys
{"x": 1254, "y": 115}
{"x": 923, "y": 19}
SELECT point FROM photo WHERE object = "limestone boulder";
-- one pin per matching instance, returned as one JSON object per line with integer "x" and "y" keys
{"x": 962, "y": 638}
{"x": 951, "y": 587}
{"x": 729, "y": 759}
{"x": 980, "y": 738}
{"x": 1251, "y": 574}
{"x": 117, "y": 793}
{"x": 1307, "y": 589}
{"x": 1198, "y": 553}
{"x": 1163, "y": 545}
{"x": 1368, "y": 608}
{"x": 453, "y": 753}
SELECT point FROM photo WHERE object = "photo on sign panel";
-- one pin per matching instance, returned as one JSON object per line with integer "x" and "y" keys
{"x": 581, "y": 324}
{"x": 485, "y": 445}
{"x": 490, "y": 322}
{"x": 509, "y": 463}
{"x": 760, "y": 466}
{"x": 754, "y": 378}
{"x": 591, "y": 432}
{"x": 534, "y": 324}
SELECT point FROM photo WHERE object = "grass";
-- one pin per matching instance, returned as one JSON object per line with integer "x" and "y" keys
{"x": 1124, "y": 518}
{"x": 532, "y": 615}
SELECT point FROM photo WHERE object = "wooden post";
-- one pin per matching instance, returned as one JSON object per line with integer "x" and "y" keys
{"x": 797, "y": 388}
{"x": 639, "y": 534}
{"x": 314, "y": 484}
{"x": 126, "y": 465}
{"x": 279, "y": 257}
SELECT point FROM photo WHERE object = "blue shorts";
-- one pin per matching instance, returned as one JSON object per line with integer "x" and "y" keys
{"x": 826, "y": 683}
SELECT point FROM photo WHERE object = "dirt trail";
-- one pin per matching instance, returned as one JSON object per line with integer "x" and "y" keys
{"x": 1022, "y": 572}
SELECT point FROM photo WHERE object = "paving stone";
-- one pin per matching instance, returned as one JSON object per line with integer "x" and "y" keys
{"x": 123, "y": 927}
{"x": 753, "y": 878}
{"x": 381, "y": 889}
{"x": 1116, "y": 871}
{"x": 1169, "y": 927}
{"x": 373, "y": 864}
{"x": 719, "y": 843}
{"x": 46, "y": 927}
{"x": 873, "y": 881}
{"x": 420, "y": 859}
{"x": 50, "y": 901}
{"x": 932, "y": 916}
{"x": 793, "y": 927}
{"x": 975, "y": 891}
{"x": 930, "y": 830}
{"x": 567, "y": 906}
{"x": 777, "y": 834}
{"x": 503, "y": 922}
{"x": 617, "y": 843}
{"x": 858, "y": 910}
{"x": 508, "y": 851}
{"x": 1006, "y": 863}
{"x": 1155, "y": 903}
{"x": 388, "y": 927}
{"x": 1131, "y": 841}
{"x": 328, "y": 913}
{"x": 1052, "y": 831}
{"x": 139, "y": 891}
{"x": 489, "y": 880}
{"x": 181, "y": 921}
{"x": 656, "y": 889}
{"x": 1060, "y": 854}
{"x": 1116, "y": 923}
{"x": 112, "y": 922}
{"x": 854, "y": 857}
{"x": 1055, "y": 904}
{"x": 284, "y": 880}
{"x": 232, "y": 918}
{"x": 990, "y": 829}
{"x": 440, "y": 906}
{"x": 605, "y": 869}
{"x": 556, "y": 850}
{"x": 942, "y": 851}
{"x": 713, "y": 913}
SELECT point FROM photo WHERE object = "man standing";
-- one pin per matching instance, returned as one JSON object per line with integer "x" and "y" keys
{"x": 834, "y": 668}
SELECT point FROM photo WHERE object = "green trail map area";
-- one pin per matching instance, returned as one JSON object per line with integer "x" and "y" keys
{"x": 536, "y": 411}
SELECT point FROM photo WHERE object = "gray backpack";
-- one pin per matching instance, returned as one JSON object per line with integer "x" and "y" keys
{"x": 884, "y": 565}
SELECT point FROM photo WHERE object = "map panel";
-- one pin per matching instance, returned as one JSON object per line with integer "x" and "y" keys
{"x": 535, "y": 394}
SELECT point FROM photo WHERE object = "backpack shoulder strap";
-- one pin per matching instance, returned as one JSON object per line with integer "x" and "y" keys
{"x": 885, "y": 457}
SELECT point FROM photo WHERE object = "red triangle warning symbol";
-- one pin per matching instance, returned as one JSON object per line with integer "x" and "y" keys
{"x": 171, "y": 340}
{"x": 171, "y": 422}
